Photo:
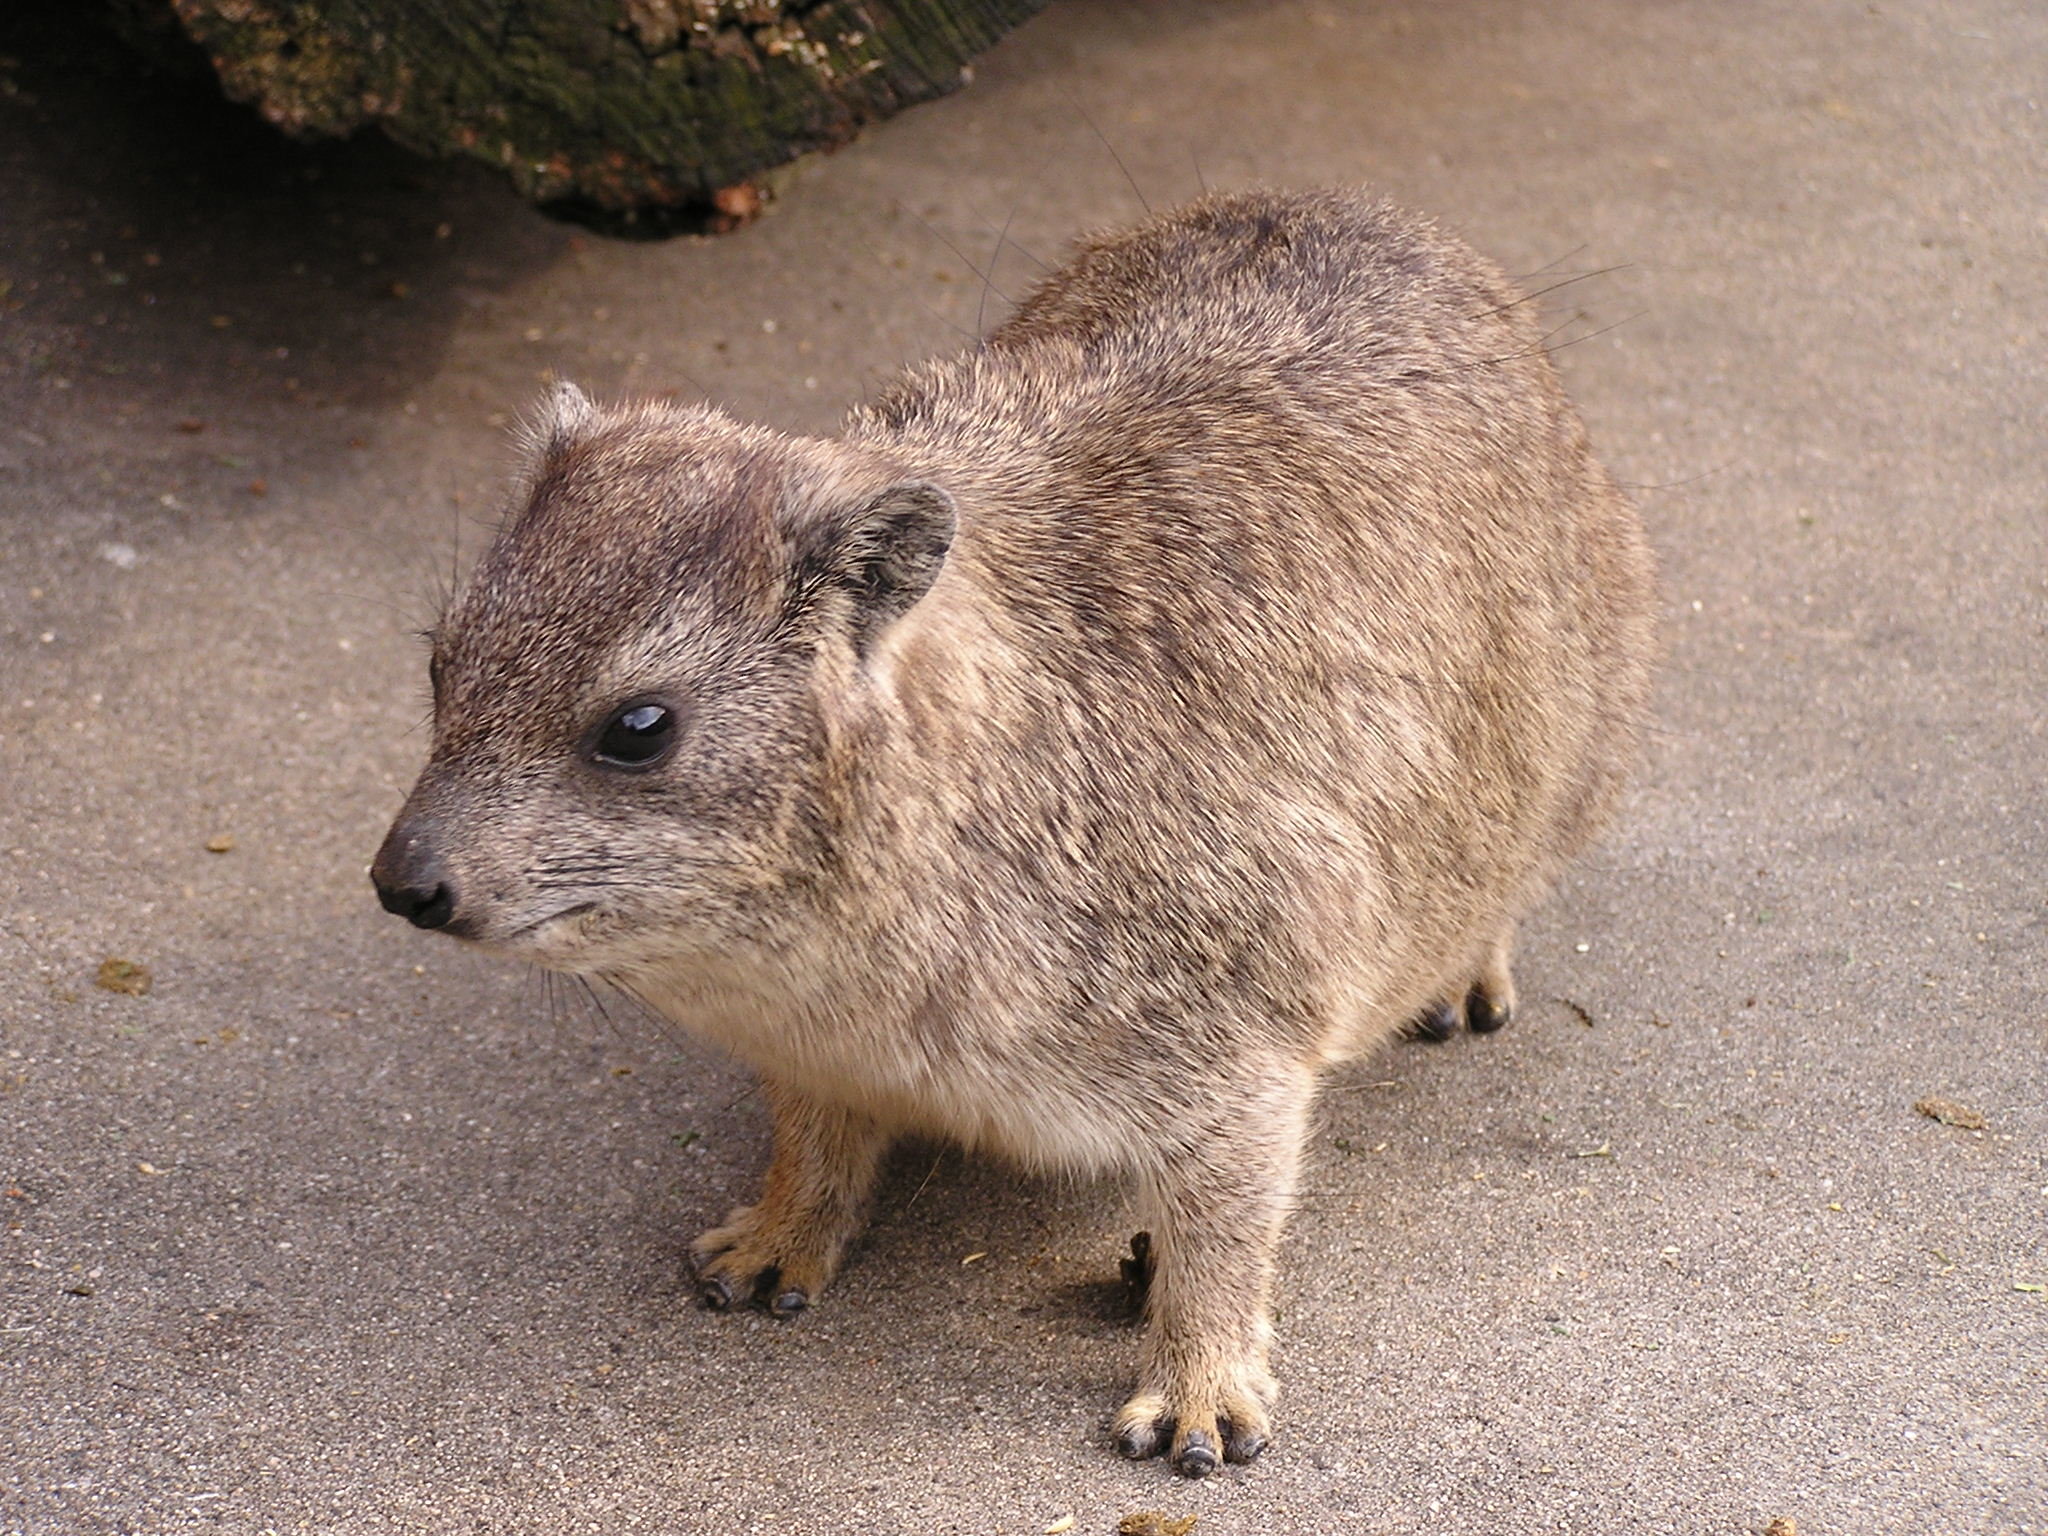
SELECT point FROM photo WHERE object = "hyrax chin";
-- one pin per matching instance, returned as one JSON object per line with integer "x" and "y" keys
{"x": 1120, "y": 724}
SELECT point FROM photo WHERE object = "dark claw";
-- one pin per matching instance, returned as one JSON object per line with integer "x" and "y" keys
{"x": 715, "y": 1293}
{"x": 1241, "y": 1448}
{"x": 1481, "y": 1017}
{"x": 1142, "y": 1440}
{"x": 1436, "y": 1022}
{"x": 789, "y": 1303}
{"x": 1137, "y": 1269}
{"x": 1198, "y": 1457}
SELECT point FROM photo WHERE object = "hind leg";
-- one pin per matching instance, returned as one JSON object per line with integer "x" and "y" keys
{"x": 1487, "y": 1004}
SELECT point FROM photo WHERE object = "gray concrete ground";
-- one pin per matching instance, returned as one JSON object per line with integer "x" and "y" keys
{"x": 339, "y": 1229}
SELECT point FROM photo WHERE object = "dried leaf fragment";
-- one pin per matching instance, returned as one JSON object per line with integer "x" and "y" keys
{"x": 1149, "y": 1522}
{"x": 117, "y": 975}
{"x": 1949, "y": 1112}
{"x": 1782, "y": 1525}
{"x": 223, "y": 842}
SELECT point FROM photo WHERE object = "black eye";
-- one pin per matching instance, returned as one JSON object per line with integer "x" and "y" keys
{"x": 637, "y": 735}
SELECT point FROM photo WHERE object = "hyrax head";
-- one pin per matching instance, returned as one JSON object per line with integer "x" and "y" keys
{"x": 646, "y": 694}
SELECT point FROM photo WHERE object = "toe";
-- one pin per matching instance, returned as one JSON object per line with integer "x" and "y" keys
{"x": 721, "y": 1240}
{"x": 1242, "y": 1421}
{"x": 1241, "y": 1445}
{"x": 1434, "y": 1023}
{"x": 1194, "y": 1451}
{"x": 1142, "y": 1426}
{"x": 1140, "y": 1441}
{"x": 790, "y": 1302}
{"x": 1483, "y": 1015}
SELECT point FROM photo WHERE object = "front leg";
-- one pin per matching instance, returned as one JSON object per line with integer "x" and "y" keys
{"x": 1216, "y": 1206}
{"x": 786, "y": 1245}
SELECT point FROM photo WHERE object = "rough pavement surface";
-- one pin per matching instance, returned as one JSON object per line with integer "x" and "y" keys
{"x": 339, "y": 1229}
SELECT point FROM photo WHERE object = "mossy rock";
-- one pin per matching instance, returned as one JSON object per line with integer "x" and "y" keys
{"x": 643, "y": 116}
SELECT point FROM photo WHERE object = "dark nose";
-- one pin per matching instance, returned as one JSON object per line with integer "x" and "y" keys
{"x": 424, "y": 906}
{"x": 411, "y": 882}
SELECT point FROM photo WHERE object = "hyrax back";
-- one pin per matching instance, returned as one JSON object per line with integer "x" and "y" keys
{"x": 1122, "y": 721}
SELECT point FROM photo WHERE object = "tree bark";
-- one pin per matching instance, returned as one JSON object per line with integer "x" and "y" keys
{"x": 645, "y": 116}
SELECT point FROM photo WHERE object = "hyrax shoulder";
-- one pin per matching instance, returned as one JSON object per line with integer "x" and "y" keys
{"x": 1180, "y": 691}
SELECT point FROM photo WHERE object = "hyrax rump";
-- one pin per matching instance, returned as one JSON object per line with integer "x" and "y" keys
{"x": 1119, "y": 725}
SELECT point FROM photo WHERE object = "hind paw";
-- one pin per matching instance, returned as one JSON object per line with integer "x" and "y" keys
{"x": 1484, "y": 1008}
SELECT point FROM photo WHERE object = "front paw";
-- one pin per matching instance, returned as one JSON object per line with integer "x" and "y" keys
{"x": 1200, "y": 1423}
{"x": 751, "y": 1258}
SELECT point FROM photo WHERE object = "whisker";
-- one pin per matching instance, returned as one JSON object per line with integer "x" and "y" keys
{"x": 926, "y": 1180}
{"x": 931, "y": 309}
{"x": 1119, "y": 159}
{"x": 745, "y": 1094}
{"x": 596, "y": 1000}
{"x": 604, "y": 1013}
{"x": 965, "y": 260}
{"x": 981, "y": 309}
{"x": 1602, "y": 331}
{"x": 1672, "y": 485}
{"x": 676, "y": 1038}
{"x": 1542, "y": 344}
{"x": 1560, "y": 261}
{"x": 1014, "y": 244}
{"x": 1566, "y": 282}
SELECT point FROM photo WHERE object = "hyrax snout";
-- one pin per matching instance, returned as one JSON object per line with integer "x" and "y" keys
{"x": 1118, "y": 725}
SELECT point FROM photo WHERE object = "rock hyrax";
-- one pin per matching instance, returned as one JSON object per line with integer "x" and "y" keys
{"x": 1118, "y": 726}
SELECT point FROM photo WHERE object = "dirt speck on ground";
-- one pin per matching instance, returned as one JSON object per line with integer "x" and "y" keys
{"x": 125, "y": 976}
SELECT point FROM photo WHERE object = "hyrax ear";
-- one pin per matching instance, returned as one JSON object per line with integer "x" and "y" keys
{"x": 884, "y": 553}
{"x": 565, "y": 412}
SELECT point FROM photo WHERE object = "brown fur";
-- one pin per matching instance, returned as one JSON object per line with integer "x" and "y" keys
{"x": 1121, "y": 723}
